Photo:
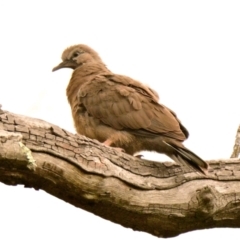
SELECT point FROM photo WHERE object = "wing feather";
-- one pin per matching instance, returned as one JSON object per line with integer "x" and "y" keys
{"x": 126, "y": 106}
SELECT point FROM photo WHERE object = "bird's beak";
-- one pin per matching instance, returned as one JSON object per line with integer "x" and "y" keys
{"x": 65, "y": 64}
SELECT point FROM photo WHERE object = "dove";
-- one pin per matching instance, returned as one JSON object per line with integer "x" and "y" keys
{"x": 121, "y": 112}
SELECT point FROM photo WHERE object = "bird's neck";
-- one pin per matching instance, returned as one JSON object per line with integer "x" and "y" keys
{"x": 81, "y": 75}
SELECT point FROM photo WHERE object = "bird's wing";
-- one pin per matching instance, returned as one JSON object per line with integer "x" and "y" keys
{"x": 125, "y": 104}
{"x": 184, "y": 130}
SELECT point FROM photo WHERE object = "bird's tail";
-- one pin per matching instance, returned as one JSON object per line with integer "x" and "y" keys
{"x": 185, "y": 157}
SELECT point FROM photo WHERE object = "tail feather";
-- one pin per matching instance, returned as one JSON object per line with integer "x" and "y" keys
{"x": 185, "y": 157}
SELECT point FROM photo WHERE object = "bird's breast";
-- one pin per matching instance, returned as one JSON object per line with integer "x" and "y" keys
{"x": 94, "y": 128}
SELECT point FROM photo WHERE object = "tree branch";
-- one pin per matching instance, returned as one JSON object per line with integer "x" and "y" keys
{"x": 162, "y": 199}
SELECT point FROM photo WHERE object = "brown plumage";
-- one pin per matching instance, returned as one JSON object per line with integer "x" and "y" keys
{"x": 122, "y": 112}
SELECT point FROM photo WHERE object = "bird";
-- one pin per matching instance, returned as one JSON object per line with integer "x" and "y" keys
{"x": 121, "y": 112}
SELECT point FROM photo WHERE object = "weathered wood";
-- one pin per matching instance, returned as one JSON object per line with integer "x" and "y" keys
{"x": 236, "y": 148}
{"x": 163, "y": 199}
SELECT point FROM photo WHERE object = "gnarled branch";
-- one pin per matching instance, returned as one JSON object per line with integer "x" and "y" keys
{"x": 163, "y": 199}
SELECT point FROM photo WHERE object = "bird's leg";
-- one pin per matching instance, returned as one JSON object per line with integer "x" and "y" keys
{"x": 108, "y": 143}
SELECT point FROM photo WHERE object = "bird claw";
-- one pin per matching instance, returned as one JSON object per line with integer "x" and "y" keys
{"x": 108, "y": 144}
{"x": 119, "y": 149}
{"x": 138, "y": 156}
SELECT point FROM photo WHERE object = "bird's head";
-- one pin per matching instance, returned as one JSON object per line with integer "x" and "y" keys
{"x": 76, "y": 56}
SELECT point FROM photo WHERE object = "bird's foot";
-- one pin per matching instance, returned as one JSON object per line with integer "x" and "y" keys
{"x": 108, "y": 143}
{"x": 138, "y": 156}
{"x": 118, "y": 149}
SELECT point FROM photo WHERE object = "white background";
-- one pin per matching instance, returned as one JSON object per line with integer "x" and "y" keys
{"x": 188, "y": 51}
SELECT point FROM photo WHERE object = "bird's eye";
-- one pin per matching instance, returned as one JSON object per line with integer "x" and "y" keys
{"x": 76, "y": 54}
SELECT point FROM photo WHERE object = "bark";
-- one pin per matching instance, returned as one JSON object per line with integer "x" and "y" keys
{"x": 162, "y": 199}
